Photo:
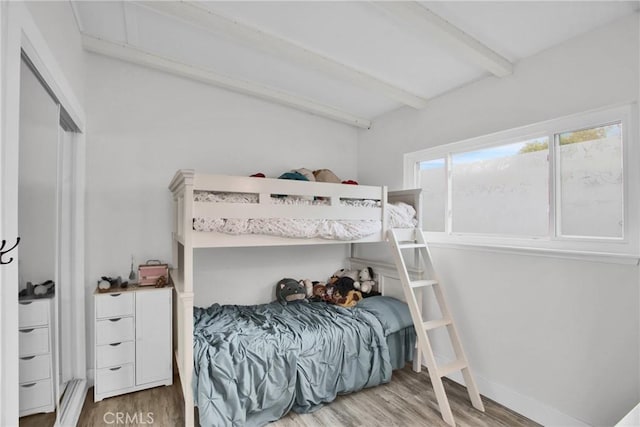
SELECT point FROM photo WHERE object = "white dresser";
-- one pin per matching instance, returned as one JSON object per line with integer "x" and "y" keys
{"x": 36, "y": 330}
{"x": 133, "y": 340}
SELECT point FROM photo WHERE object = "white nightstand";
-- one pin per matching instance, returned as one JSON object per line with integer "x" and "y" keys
{"x": 133, "y": 340}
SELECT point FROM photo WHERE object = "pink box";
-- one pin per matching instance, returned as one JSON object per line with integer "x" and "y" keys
{"x": 150, "y": 272}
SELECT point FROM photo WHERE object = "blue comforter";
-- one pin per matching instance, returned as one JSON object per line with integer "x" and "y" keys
{"x": 252, "y": 364}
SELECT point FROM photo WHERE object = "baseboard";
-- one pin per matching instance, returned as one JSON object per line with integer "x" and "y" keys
{"x": 525, "y": 405}
{"x": 72, "y": 402}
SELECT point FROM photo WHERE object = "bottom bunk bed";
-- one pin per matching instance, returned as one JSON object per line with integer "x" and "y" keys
{"x": 253, "y": 364}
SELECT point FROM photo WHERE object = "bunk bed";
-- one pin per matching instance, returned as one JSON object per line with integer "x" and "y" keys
{"x": 215, "y": 211}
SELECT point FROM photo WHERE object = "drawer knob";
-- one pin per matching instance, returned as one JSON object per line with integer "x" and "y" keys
{"x": 25, "y": 302}
{"x": 27, "y": 358}
{"x": 115, "y": 320}
{"x": 28, "y": 385}
{"x": 115, "y": 295}
{"x": 26, "y": 331}
{"x": 115, "y": 344}
{"x": 115, "y": 369}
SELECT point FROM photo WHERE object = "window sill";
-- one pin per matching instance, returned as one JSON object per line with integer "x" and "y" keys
{"x": 588, "y": 256}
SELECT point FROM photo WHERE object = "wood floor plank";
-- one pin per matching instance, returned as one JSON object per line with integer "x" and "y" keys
{"x": 407, "y": 401}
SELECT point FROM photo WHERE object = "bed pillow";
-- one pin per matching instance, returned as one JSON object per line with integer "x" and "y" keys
{"x": 392, "y": 313}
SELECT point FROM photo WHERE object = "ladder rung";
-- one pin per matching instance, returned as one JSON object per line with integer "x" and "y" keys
{"x": 411, "y": 245}
{"x": 445, "y": 370}
{"x": 421, "y": 283}
{"x": 433, "y": 324}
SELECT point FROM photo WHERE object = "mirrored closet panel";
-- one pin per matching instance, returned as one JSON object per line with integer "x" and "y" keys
{"x": 47, "y": 350}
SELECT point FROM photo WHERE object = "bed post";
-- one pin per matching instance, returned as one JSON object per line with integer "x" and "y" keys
{"x": 182, "y": 188}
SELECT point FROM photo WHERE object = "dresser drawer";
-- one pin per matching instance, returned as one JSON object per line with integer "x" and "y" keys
{"x": 33, "y": 313}
{"x": 33, "y": 341}
{"x": 115, "y": 378}
{"x": 114, "y": 305}
{"x": 115, "y": 354}
{"x": 35, "y": 395}
{"x": 109, "y": 331}
{"x": 34, "y": 368}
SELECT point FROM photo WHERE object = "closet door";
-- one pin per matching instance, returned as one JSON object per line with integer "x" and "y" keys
{"x": 38, "y": 229}
{"x": 37, "y": 181}
{"x": 153, "y": 335}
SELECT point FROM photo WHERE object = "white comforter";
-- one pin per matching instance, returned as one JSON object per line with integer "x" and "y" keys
{"x": 401, "y": 215}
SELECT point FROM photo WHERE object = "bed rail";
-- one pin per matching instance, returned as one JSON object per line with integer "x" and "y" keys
{"x": 186, "y": 182}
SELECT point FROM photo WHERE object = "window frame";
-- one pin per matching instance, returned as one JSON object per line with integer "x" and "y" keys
{"x": 623, "y": 249}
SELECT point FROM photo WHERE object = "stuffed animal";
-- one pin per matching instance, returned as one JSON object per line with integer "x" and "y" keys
{"x": 344, "y": 285}
{"x": 297, "y": 176}
{"x": 322, "y": 292}
{"x": 308, "y": 287}
{"x": 290, "y": 291}
{"x": 343, "y": 272}
{"x": 306, "y": 172}
{"x": 325, "y": 175}
{"x": 365, "y": 282}
{"x": 350, "y": 300}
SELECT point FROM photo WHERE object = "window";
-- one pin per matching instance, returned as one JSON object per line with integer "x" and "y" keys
{"x": 562, "y": 185}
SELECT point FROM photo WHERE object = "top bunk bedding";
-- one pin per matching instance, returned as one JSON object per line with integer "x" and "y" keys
{"x": 399, "y": 215}
{"x": 227, "y": 211}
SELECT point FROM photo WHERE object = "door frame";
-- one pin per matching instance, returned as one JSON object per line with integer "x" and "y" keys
{"x": 19, "y": 32}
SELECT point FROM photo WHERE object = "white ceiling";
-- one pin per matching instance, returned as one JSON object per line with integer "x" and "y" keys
{"x": 350, "y": 61}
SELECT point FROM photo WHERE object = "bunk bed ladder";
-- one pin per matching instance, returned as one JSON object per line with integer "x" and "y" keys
{"x": 414, "y": 239}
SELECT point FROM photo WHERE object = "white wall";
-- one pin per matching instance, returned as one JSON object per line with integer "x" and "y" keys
{"x": 143, "y": 125}
{"x": 56, "y": 22}
{"x": 554, "y": 338}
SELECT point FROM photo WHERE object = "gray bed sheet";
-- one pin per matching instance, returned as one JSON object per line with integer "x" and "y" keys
{"x": 253, "y": 364}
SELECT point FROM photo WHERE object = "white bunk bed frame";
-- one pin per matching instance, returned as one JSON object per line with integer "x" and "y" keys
{"x": 185, "y": 239}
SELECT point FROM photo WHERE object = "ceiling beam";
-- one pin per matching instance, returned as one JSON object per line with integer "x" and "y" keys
{"x": 138, "y": 56}
{"x": 130, "y": 16}
{"x": 197, "y": 15}
{"x": 76, "y": 16}
{"x": 427, "y": 23}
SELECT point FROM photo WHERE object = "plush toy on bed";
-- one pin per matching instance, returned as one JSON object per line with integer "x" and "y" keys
{"x": 325, "y": 175}
{"x": 365, "y": 282}
{"x": 343, "y": 272}
{"x": 290, "y": 291}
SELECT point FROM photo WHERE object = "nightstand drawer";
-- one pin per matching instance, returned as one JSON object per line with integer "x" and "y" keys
{"x": 113, "y": 305}
{"x": 33, "y": 313}
{"x": 111, "y": 331}
{"x": 115, "y": 354}
{"x": 34, "y": 368}
{"x": 35, "y": 395}
{"x": 33, "y": 341}
{"x": 116, "y": 378}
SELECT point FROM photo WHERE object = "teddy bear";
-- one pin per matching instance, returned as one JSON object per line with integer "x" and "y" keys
{"x": 290, "y": 290}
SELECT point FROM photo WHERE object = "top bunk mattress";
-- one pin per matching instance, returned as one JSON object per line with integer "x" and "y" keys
{"x": 399, "y": 215}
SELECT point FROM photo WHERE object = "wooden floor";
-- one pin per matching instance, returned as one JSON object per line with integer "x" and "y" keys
{"x": 407, "y": 401}
{"x": 38, "y": 420}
